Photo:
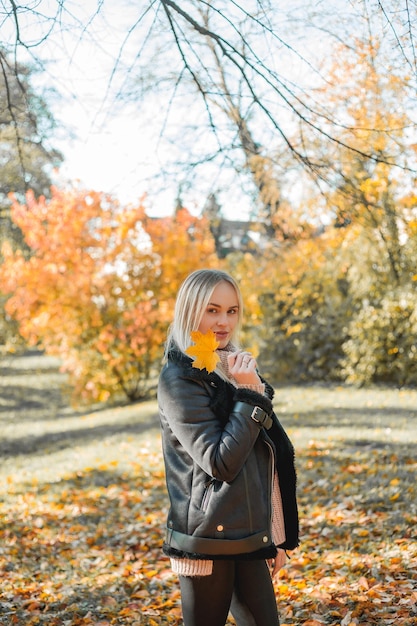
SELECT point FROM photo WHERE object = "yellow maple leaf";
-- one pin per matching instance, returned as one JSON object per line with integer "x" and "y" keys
{"x": 203, "y": 352}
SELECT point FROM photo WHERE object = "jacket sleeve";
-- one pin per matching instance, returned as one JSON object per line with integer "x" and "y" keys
{"x": 220, "y": 450}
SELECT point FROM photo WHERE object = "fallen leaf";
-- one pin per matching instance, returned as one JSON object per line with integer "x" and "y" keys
{"x": 203, "y": 351}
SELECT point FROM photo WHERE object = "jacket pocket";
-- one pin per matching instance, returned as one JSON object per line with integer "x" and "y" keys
{"x": 208, "y": 490}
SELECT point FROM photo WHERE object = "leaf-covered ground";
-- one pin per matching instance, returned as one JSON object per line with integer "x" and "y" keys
{"x": 83, "y": 506}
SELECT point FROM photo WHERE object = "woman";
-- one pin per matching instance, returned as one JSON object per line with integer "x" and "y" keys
{"x": 229, "y": 464}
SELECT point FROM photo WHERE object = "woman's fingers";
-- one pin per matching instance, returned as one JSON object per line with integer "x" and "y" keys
{"x": 241, "y": 361}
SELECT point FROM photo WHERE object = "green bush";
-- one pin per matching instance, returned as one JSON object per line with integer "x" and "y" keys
{"x": 382, "y": 346}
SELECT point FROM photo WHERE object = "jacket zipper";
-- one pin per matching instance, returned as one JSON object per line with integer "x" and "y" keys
{"x": 271, "y": 484}
{"x": 248, "y": 499}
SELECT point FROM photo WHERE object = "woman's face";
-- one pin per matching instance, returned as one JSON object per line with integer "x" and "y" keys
{"x": 221, "y": 314}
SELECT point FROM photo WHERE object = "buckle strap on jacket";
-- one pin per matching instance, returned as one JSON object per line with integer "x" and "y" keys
{"x": 193, "y": 544}
{"x": 258, "y": 415}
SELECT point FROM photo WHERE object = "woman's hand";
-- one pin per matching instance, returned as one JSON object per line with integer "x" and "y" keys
{"x": 276, "y": 564}
{"x": 242, "y": 366}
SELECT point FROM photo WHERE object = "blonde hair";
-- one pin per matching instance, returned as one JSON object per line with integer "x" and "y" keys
{"x": 192, "y": 300}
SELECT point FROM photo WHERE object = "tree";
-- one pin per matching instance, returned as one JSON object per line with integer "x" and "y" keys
{"x": 99, "y": 286}
{"x": 224, "y": 57}
{"x": 27, "y": 158}
{"x": 341, "y": 304}
{"x": 299, "y": 302}
{"x": 238, "y": 96}
{"x": 376, "y": 117}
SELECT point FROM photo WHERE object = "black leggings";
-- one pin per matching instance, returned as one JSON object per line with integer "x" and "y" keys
{"x": 243, "y": 587}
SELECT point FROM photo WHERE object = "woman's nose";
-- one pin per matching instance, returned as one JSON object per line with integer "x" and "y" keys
{"x": 222, "y": 319}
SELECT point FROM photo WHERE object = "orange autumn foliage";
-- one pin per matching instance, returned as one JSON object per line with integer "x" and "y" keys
{"x": 99, "y": 285}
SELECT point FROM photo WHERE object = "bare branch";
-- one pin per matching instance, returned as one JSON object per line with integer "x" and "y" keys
{"x": 230, "y": 52}
{"x": 10, "y": 107}
{"x": 413, "y": 64}
{"x": 166, "y": 4}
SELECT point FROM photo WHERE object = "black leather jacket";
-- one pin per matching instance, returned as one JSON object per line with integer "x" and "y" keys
{"x": 219, "y": 463}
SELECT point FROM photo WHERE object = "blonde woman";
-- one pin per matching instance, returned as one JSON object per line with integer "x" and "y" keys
{"x": 229, "y": 464}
